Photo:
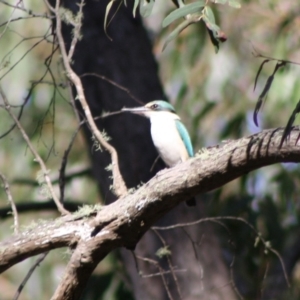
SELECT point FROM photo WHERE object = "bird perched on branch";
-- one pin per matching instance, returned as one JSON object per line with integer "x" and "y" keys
{"x": 170, "y": 137}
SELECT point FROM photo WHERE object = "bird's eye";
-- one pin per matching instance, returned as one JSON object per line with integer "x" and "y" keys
{"x": 154, "y": 106}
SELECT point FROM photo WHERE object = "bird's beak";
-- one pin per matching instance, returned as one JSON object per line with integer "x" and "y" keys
{"x": 137, "y": 110}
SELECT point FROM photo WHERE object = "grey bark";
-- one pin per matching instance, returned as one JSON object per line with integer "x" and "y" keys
{"x": 96, "y": 233}
{"x": 124, "y": 55}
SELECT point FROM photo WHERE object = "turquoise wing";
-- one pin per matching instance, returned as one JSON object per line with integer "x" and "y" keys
{"x": 185, "y": 137}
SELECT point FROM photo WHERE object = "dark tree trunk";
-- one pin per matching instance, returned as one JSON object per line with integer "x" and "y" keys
{"x": 124, "y": 56}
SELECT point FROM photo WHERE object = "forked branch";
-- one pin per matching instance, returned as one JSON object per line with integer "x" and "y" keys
{"x": 123, "y": 223}
{"x": 119, "y": 186}
{"x": 37, "y": 157}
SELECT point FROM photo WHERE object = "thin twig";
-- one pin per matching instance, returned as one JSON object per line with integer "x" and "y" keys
{"x": 33, "y": 85}
{"x": 28, "y": 51}
{"x": 119, "y": 86}
{"x": 119, "y": 186}
{"x": 263, "y": 281}
{"x": 170, "y": 264}
{"x": 28, "y": 11}
{"x": 31, "y": 270}
{"x": 7, "y": 24}
{"x": 217, "y": 219}
{"x": 194, "y": 244}
{"x": 154, "y": 163}
{"x": 209, "y": 219}
{"x": 232, "y": 280}
{"x": 164, "y": 272}
{"x": 161, "y": 271}
{"x": 76, "y": 31}
{"x": 12, "y": 203}
{"x": 12, "y": 127}
{"x": 73, "y": 104}
{"x": 25, "y": 18}
{"x": 68, "y": 177}
{"x": 282, "y": 266}
{"x": 63, "y": 165}
{"x": 257, "y": 54}
{"x": 35, "y": 154}
{"x": 31, "y": 205}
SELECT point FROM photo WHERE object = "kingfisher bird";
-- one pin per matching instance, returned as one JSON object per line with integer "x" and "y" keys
{"x": 170, "y": 137}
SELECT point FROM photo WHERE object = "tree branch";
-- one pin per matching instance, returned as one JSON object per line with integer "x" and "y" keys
{"x": 11, "y": 202}
{"x": 122, "y": 223}
{"x": 119, "y": 186}
{"x": 29, "y": 206}
{"x": 37, "y": 157}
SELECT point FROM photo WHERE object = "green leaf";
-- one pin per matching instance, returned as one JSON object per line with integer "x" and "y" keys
{"x": 258, "y": 72}
{"x": 210, "y": 15}
{"x": 107, "y": 10}
{"x": 213, "y": 34}
{"x": 176, "y": 32}
{"x": 212, "y": 26}
{"x": 182, "y": 12}
{"x": 288, "y": 127}
{"x": 146, "y": 8}
{"x": 210, "y": 21}
{"x": 136, "y": 3}
{"x": 234, "y": 3}
{"x": 266, "y": 89}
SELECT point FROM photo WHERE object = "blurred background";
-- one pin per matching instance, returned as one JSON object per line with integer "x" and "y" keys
{"x": 214, "y": 95}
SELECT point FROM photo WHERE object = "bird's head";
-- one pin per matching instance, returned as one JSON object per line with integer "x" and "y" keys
{"x": 152, "y": 108}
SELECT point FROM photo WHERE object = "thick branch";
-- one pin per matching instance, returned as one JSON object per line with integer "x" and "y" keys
{"x": 41, "y": 238}
{"x": 123, "y": 222}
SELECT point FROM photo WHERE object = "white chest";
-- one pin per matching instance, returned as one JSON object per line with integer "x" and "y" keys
{"x": 167, "y": 140}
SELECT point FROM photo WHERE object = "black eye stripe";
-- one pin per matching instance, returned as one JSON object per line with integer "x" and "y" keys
{"x": 154, "y": 106}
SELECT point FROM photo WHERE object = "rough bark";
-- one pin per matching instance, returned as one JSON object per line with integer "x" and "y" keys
{"x": 124, "y": 55}
{"x": 124, "y": 222}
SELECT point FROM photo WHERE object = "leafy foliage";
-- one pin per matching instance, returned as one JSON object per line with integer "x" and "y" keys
{"x": 183, "y": 12}
{"x": 192, "y": 13}
{"x": 263, "y": 95}
{"x": 267, "y": 86}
